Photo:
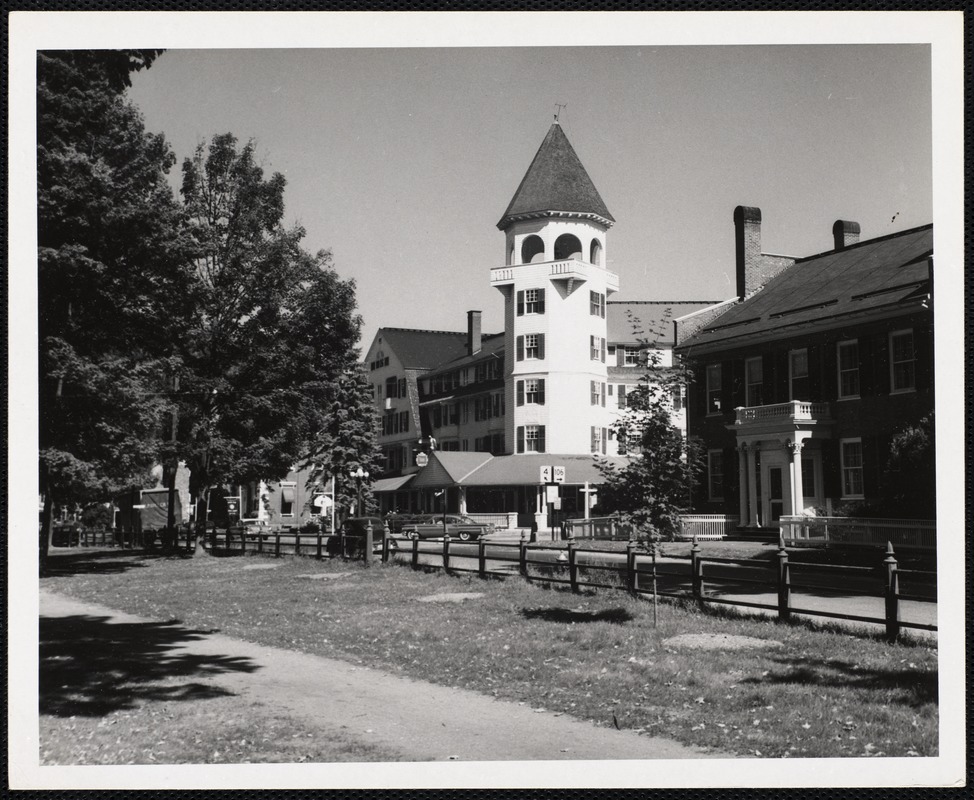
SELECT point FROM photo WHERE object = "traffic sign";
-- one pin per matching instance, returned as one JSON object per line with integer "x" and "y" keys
{"x": 552, "y": 474}
{"x": 559, "y": 474}
{"x": 422, "y": 459}
{"x": 546, "y": 473}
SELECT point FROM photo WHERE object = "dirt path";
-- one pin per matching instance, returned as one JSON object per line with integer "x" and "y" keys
{"x": 420, "y": 720}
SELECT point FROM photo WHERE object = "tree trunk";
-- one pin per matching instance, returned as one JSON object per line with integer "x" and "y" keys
{"x": 47, "y": 528}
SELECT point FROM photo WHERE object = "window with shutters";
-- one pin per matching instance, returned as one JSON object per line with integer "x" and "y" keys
{"x": 631, "y": 357}
{"x": 597, "y": 348}
{"x": 850, "y": 454}
{"x": 902, "y": 362}
{"x": 798, "y": 374}
{"x": 533, "y": 345}
{"x": 530, "y": 390}
{"x": 403, "y": 421}
{"x": 595, "y": 392}
{"x": 847, "y": 355}
{"x": 713, "y": 388}
{"x": 597, "y": 304}
{"x": 531, "y": 439}
{"x": 679, "y": 393}
{"x": 530, "y": 301}
{"x": 754, "y": 382}
{"x": 621, "y": 395}
{"x": 599, "y": 438}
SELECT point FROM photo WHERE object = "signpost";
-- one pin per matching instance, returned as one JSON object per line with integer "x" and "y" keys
{"x": 552, "y": 475}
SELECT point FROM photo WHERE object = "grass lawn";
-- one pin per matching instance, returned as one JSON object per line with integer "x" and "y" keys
{"x": 815, "y": 692}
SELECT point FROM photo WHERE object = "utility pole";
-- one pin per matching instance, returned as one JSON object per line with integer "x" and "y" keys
{"x": 174, "y": 466}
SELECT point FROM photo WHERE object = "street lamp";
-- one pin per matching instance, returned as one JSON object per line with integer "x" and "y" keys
{"x": 359, "y": 475}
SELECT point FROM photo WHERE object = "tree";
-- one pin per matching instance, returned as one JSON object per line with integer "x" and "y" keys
{"x": 113, "y": 268}
{"x": 653, "y": 488}
{"x": 266, "y": 367}
{"x": 909, "y": 485}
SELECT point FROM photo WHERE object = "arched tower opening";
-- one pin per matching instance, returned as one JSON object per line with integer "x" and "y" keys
{"x": 567, "y": 246}
{"x": 532, "y": 249}
{"x": 595, "y": 253}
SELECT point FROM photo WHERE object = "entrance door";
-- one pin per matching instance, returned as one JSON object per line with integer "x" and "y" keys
{"x": 776, "y": 496}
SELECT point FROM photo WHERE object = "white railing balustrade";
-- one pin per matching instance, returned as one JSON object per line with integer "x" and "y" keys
{"x": 502, "y": 521}
{"x": 920, "y": 534}
{"x": 792, "y": 410}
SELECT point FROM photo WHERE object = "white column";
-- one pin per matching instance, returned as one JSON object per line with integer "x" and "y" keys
{"x": 797, "y": 490}
{"x": 463, "y": 500}
{"x": 742, "y": 480}
{"x": 752, "y": 485}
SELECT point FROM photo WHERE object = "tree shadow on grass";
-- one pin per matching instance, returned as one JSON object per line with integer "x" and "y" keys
{"x": 94, "y": 562}
{"x": 90, "y": 667}
{"x": 906, "y": 686}
{"x": 564, "y": 615}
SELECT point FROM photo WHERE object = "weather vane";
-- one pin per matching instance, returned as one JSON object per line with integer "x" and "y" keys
{"x": 559, "y": 107}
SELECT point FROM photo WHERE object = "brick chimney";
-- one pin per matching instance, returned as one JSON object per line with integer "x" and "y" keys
{"x": 845, "y": 233}
{"x": 473, "y": 332}
{"x": 747, "y": 240}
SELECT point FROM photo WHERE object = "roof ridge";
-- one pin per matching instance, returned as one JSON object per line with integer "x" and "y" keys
{"x": 884, "y": 237}
{"x": 430, "y": 330}
{"x": 657, "y": 302}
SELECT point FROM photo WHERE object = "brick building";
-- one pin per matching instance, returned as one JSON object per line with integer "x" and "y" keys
{"x": 802, "y": 381}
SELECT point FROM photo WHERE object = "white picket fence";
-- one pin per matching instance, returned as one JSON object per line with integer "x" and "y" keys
{"x": 920, "y": 534}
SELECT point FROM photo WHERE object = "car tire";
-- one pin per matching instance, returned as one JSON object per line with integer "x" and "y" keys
{"x": 464, "y": 536}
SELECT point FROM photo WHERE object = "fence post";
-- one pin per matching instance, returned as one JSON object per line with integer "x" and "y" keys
{"x": 260, "y": 541}
{"x": 522, "y": 555}
{"x": 446, "y": 553}
{"x": 696, "y": 571}
{"x": 482, "y": 557}
{"x": 277, "y": 543}
{"x": 784, "y": 581}
{"x": 892, "y": 595}
{"x": 318, "y": 545}
{"x": 415, "y": 559}
{"x": 572, "y": 564}
{"x": 369, "y": 541}
{"x": 385, "y": 542}
{"x": 297, "y": 542}
{"x": 631, "y": 567}
{"x": 243, "y": 540}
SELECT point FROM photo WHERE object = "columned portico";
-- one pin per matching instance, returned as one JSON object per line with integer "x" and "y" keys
{"x": 776, "y": 485}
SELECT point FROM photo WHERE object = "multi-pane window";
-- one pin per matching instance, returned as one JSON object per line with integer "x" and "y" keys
{"x": 621, "y": 395}
{"x": 531, "y": 345}
{"x": 531, "y": 439}
{"x": 599, "y": 438}
{"x": 848, "y": 359}
{"x": 798, "y": 372}
{"x": 715, "y": 474}
{"x": 597, "y": 304}
{"x": 851, "y": 460}
{"x": 902, "y": 361}
{"x": 754, "y": 372}
{"x": 679, "y": 393}
{"x": 597, "y": 393}
{"x": 530, "y": 390}
{"x": 713, "y": 388}
{"x": 530, "y": 301}
{"x": 597, "y": 348}
{"x": 630, "y": 357}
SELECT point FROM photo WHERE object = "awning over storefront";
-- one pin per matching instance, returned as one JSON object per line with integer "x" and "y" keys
{"x": 449, "y": 468}
{"x": 517, "y": 470}
{"x": 391, "y": 484}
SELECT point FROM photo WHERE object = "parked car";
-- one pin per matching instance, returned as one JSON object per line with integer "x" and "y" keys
{"x": 397, "y": 522}
{"x": 353, "y": 531}
{"x": 435, "y": 526}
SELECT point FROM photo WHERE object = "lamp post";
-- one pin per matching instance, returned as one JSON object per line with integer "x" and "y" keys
{"x": 358, "y": 475}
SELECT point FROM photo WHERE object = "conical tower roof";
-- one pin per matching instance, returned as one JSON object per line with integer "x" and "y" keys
{"x": 556, "y": 184}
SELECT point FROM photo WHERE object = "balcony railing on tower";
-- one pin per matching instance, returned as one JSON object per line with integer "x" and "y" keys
{"x": 792, "y": 411}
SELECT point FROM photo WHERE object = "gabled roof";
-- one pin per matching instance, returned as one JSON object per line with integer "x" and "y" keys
{"x": 555, "y": 182}
{"x": 447, "y": 468}
{"x": 870, "y": 276}
{"x": 420, "y": 349}
{"x": 491, "y": 345}
{"x": 482, "y": 469}
{"x": 655, "y": 319}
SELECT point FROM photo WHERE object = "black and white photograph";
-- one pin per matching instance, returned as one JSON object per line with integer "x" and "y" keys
{"x": 486, "y": 400}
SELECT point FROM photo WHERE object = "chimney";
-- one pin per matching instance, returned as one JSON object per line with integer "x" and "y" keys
{"x": 473, "y": 332}
{"x": 845, "y": 233}
{"x": 747, "y": 240}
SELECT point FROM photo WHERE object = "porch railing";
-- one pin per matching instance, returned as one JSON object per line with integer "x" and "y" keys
{"x": 505, "y": 521}
{"x": 920, "y": 534}
{"x": 707, "y": 527}
{"x": 597, "y": 528}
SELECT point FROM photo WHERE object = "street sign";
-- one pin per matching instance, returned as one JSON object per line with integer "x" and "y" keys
{"x": 559, "y": 475}
{"x": 551, "y": 493}
{"x": 552, "y": 474}
{"x": 422, "y": 459}
{"x": 546, "y": 473}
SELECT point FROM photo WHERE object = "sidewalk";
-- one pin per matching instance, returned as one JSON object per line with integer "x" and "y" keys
{"x": 421, "y": 721}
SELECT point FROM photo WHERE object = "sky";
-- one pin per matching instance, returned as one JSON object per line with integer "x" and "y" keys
{"x": 401, "y": 161}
